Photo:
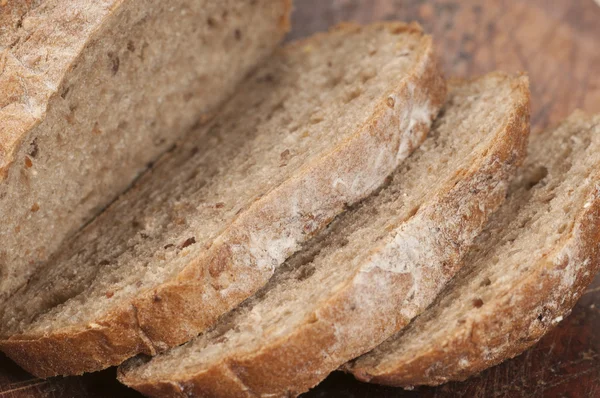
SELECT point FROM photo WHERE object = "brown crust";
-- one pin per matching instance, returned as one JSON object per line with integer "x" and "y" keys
{"x": 521, "y": 325}
{"x": 186, "y": 307}
{"x": 540, "y": 294}
{"x": 296, "y": 362}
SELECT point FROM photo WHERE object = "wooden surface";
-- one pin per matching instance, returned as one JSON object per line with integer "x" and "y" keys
{"x": 558, "y": 44}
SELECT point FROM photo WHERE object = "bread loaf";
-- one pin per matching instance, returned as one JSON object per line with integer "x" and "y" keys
{"x": 92, "y": 91}
{"x": 314, "y": 130}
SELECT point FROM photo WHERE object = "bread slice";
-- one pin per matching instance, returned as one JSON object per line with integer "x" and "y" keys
{"x": 371, "y": 271}
{"x": 525, "y": 273}
{"x": 317, "y": 128}
{"x": 91, "y": 91}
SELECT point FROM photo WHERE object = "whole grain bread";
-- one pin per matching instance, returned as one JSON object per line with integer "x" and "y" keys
{"x": 317, "y": 128}
{"x": 91, "y": 91}
{"x": 371, "y": 271}
{"x": 524, "y": 275}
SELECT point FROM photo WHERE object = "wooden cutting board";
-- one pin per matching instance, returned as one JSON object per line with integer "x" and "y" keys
{"x": 558, "y": 43}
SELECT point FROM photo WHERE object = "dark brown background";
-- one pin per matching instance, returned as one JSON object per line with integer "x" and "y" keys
{"x": 558, "y": 44}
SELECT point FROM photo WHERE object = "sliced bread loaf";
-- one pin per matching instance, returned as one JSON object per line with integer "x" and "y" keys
{"x": 371, "y": 271}
{"x": 317, "y": 128}
{"x": 93, "y": 90}
{"x": 525, "y": 273}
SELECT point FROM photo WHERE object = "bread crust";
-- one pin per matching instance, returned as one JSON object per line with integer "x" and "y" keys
{"x": 297, "y": 361}
{"x": 178, "y": 310}
{"x": 534, "y": 306}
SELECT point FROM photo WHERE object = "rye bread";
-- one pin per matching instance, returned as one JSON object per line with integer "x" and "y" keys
{"x": 371, "y": 271}
{"x": 526, "y": 272}
{"x": 91, "y": 91}
{"x": 317, "y": 128}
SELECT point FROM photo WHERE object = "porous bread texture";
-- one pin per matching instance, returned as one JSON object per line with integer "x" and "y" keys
{"x": 371, "y": 271}
{"x": 92, "y": 91}
{"x": 318, "y": 127}
{"x": 525, "y": 273}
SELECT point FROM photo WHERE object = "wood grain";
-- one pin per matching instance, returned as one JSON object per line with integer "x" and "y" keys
{"x": 557, "y": 43}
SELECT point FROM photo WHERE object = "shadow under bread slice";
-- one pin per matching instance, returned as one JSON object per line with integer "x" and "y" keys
{"x": 525, "y": 273}
{"x": 371, "y": 271}
{"x": 314, "y": 130}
